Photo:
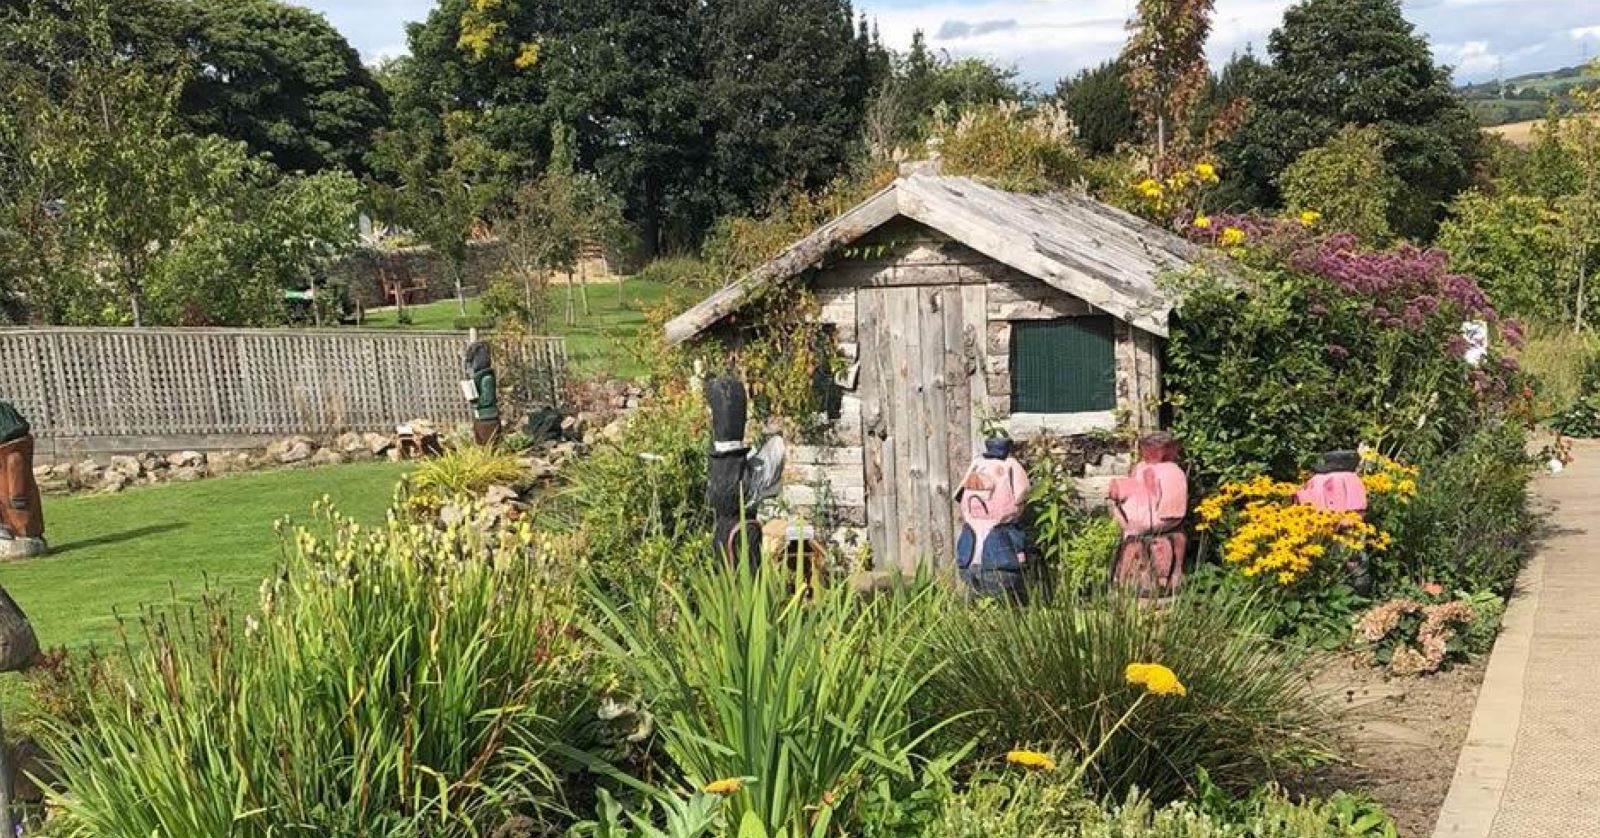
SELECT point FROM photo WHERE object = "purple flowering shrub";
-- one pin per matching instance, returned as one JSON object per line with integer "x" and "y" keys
{"x": 1327, "y": 344}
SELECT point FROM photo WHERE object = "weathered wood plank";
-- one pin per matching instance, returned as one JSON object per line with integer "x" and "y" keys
{"x": 1055, "y": 309}
{"x": 934, "y": 418}
{"x": 843, "y": 475}
{"x": 911, "y": 438}
{"x": 825, "y": 454}
{"x": 957, "y": 414}
{"x": 798, "y": 494}
{"x": 974, "y": 308}
{"x": 878, "y": 460}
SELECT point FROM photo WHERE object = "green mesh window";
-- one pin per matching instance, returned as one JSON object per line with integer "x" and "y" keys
{"x": 1063, "y": 366}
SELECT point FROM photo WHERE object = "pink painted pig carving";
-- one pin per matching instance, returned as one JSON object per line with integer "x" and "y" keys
{"x": 1339, "y": 491}
{"x": 1150, "y": 506}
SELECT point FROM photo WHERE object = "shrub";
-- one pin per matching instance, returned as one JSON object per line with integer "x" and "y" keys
{"x": 1411, "y": 638}
{"x": 801, "y": 697}
{"x": 1323, "y": 345}
{"x": 1346, "y": 182}
{"x": 1475, "y": 546}
{"x": 679, "y": 272}
{"x": 1016, "y": 148}
{"x": 1055, "y": 675}
{"x": 403, "y": 681}
{"x": 635, "y": 502}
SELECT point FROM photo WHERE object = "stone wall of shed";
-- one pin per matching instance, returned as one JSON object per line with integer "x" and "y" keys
{"x": 830, "y": 473}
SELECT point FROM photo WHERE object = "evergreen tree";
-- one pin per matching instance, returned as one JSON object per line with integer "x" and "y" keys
{"x": 1101, "y": 106}
{"x": 787, "y": 86}
{"x": 1356, "y": 62}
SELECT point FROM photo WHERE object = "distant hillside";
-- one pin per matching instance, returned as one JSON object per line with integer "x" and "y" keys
{"x": 1524, "y": 97}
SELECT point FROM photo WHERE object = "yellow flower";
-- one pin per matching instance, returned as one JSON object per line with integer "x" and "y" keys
{"x": 1155, "y": 678}
{"x": 1232, "y": 237}
{"x": 724, "y": 788}
{"x": 1032, "y": 760}
{"x": 1150, "y": 188}
{"x": 1207, "y": 172}
{"x": 527, "y": 57}
{"x": 1309, "y": 218}
{"x": 1202, "y": 222}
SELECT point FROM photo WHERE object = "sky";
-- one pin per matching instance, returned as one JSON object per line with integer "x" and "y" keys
{"x": 1047, "y": 39}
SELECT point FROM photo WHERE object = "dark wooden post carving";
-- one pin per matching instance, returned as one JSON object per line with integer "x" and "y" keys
{"x": 737, "y": 480}
{"x": 21, "y": 512}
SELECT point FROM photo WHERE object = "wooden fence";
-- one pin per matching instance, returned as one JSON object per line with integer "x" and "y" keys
{"x": 96, "y": 390}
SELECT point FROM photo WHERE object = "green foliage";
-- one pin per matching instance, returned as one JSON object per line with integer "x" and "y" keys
{"x": 920, "y": 83}
{"x": 1512, "y": 243}
{"x": 803, "y": 695}
{"x": 1042, "y": 807}
{"x": 639, "y": 501}
{"x": 1053, "y": 675}
{"x": 465, "y": 471}
{"x": 444, "y": 178}
{"x": 122, "y": 215}
{"x": 692, "y": 818}
{"x": 393, "y": 682}
{"x": 1167, "y": 75}
{"x": 1347, "y": 181}
{"x": 1016, "y": 148}
{"x": 1477, "y": 546}
{"x": 1100, "y": 104}
{"x": 1341, "y": 62}
{"x": 284, "y": 81}
{"x": 1075, "y": 545}
{"x": 677, "y": 272}
{"x": 1266, "y": 376}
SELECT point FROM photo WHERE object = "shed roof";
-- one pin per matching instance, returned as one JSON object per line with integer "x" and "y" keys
{"x": 1100, "y": 254}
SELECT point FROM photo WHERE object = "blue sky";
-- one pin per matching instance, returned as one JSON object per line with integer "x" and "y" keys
{"x": 1045, "y": 39}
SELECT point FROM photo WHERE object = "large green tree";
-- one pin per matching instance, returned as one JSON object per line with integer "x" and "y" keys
{"x": 787, "y": 85}
{"x": 283, "y": 80}
{"x": 1356, "y": 62}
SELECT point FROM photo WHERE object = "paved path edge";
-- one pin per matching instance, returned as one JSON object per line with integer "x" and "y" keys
{"x": 1485, "y": 762}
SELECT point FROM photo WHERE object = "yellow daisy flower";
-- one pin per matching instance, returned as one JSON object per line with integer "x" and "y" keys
{"x": 724, "y": 788}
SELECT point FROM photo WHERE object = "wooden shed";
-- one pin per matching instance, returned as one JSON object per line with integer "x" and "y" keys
{"x": 963, "y": 306}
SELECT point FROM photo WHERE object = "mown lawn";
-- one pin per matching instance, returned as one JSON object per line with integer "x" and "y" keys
{"x": 113, "y": 554}
{"x": 603, "y": 341}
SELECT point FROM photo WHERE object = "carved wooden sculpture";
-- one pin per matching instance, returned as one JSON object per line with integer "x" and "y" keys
{"x": 21, "y": 512}
{"x": 738, "y": 480}
{"x": 991, "y": 551}
{"x": 1150, "y": 505}
{"x": 1335, "y": 486}
{"x": 482, "y": 393}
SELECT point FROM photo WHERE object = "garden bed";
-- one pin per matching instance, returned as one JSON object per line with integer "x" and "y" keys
{"x": 1401, "y": 736}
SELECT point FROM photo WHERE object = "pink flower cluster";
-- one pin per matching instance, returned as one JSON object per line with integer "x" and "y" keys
{"x": 1432, "y": 643}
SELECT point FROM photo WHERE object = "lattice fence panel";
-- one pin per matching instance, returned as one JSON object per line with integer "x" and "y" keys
{"x": 75, "y": 383}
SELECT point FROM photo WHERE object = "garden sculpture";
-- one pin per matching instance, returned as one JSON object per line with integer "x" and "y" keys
{"x": 21, "y": 514}
{"x": 1150, "y": 505}
{"x": 479, "y": 388}
{"x": 991, "y": 550}
{"x": 1335, "y": 486}
{"x": 739, "y": 479}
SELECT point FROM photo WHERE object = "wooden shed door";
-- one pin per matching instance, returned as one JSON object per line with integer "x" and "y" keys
{"x": 918, "y": 375}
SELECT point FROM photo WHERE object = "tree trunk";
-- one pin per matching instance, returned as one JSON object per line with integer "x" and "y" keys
{"x": 461, "y": 291}
{"x": 572, "y": 313}
{"x": 583, "y": 288}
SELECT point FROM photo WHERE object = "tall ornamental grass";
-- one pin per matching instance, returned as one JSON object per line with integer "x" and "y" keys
{"x": 1053, "y": 677}
{"x": 798, "y": 700}
{"x": 403, "y": 681}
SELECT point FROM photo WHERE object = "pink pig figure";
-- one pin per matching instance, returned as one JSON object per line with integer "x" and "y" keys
{"x": 1335, "y": 487}
{"x": 1150, "y": 506}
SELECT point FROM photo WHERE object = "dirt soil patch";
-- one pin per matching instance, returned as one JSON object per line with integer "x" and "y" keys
{"x": 1400, "y": 737}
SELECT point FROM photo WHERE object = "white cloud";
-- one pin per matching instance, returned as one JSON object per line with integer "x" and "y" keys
{"x": 1583, "y": 32}
{"x": 1470, "y": 58}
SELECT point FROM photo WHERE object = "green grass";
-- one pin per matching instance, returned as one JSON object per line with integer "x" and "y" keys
{"x": 602, "y": 342}
{"x": 157, "y": 544}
